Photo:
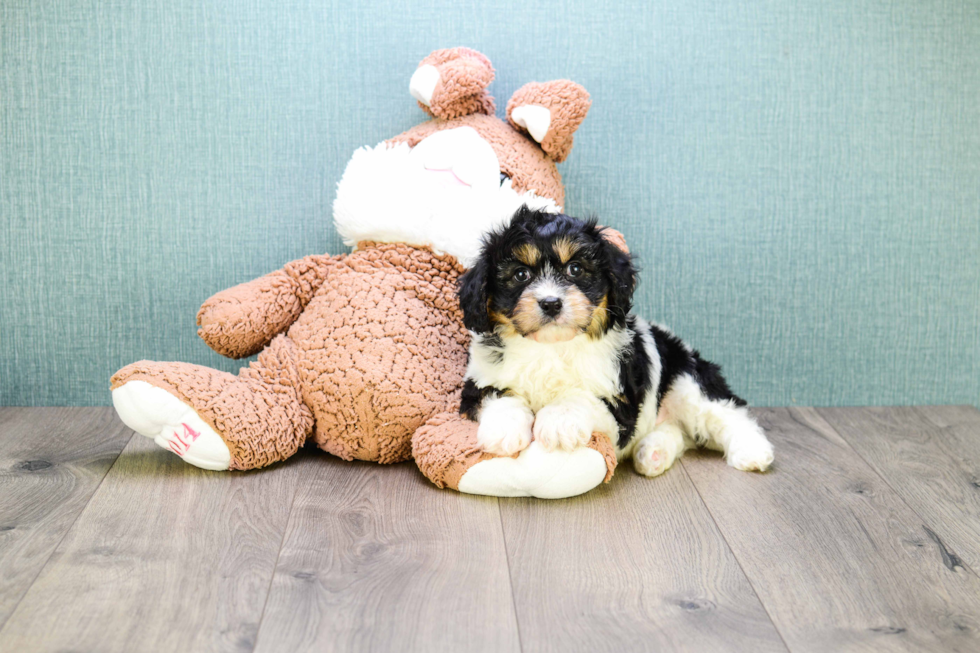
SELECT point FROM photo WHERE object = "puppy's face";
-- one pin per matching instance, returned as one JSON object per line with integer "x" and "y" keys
{"x": 549, "y": 278}
{"x": 550, "y": 288}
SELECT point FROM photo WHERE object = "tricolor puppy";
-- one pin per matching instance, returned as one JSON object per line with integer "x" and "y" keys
{"x": 556, "y": 355}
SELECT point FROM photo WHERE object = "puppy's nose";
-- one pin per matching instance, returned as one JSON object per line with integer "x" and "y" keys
{"x": 550, "y": 305}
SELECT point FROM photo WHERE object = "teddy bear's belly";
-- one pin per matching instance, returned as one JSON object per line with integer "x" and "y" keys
{"x": 377, "y": 362}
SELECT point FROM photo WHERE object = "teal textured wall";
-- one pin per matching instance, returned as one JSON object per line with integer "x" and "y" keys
{"x": 801, "y": 181}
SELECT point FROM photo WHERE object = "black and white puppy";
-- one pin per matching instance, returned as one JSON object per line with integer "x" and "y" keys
{"x": 556, "y": 355}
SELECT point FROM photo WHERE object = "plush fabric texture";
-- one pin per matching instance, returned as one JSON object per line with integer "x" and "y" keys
{"x": 464, "y": 75}
{"x": 240, "y": 321}
{"x": 445, "y": 448}
{"x": 365, "y": 353}
{"x": 384, "y": 349}
{"x": 615, "y": 237}
{"x": 521, "y": 159}
{"x": 380, "y": 348}
{"x": 566, "y": 101}
{"x": 260, "y": 414}
{"x": 601, "y": 443}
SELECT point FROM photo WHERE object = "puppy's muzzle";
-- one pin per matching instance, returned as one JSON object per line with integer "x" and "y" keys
{"x": 550, "y": 306}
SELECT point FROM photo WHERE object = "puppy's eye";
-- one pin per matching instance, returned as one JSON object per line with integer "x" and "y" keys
{"x": 522, "y": 275}
{"x": 574, "y": 270}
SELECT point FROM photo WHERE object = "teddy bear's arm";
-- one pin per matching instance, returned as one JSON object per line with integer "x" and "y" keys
{"x": 448, "y": 453}
{"x": 240, "y": 321}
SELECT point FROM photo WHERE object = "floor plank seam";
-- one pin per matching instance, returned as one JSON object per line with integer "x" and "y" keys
{"x": 275, "y": 567}
{"x": 68, "y": 530}
{"x": 748, "y": 578}
{"x": 943, "y": 548}
{"x": 510, "y": 577}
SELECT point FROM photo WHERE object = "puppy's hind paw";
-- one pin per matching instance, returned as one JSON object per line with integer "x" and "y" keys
{"x": 754, "y": 456}
{"x": 652, "y": 458}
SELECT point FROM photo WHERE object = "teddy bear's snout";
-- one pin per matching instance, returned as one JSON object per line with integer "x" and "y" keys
{"x": 459, "y": 157}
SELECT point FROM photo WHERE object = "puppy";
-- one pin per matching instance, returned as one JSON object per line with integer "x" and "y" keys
{"x": 556, "y": 355}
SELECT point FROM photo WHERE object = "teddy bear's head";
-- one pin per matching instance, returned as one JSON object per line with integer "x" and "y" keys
{"x": 446, "y": 182}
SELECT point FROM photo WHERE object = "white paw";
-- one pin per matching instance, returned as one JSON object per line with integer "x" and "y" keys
{"x": 505, "y": 426}
{"x": 563, "y": 426}
{"x": 653, "y": 456}
{"x": 750, "y": 454}
{"x": 172, "y": 424}
{"x": 423, "y": 83}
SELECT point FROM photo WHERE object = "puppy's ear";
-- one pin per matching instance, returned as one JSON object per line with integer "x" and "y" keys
{"x": 473, "y": 296}
{"x": 622, "y": 274}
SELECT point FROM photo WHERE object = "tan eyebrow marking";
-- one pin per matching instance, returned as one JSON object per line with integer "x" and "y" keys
{"x": 527, "y": 254}
{"x": 565, "y": 248}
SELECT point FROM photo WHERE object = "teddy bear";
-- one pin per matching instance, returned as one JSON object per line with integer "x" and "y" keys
{"x": 365, "y": 353}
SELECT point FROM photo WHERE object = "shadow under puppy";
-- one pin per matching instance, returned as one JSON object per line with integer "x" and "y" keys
{"x": 556, "y": 355}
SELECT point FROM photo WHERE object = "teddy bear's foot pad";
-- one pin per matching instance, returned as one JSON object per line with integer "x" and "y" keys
{"x": 172, "y": 424}
{"x": 537, "y": 473}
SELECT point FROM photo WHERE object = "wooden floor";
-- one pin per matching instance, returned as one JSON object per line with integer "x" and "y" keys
{"x": 865, "y": 536}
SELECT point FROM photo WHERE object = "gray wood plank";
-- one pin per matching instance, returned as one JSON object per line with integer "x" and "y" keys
{"x": 165, "y": 557}
{"x": 838, "y": 558}
{"x": 51, "y": 462}
{"x": 931, "y": 456}
{"x": 377, "y": 559}
{"x": 634, "y": 565}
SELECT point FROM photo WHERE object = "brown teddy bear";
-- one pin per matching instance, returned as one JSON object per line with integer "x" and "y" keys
{"x": 366, "y": 352}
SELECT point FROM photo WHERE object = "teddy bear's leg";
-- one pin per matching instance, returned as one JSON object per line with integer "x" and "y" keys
{"x": 446, "y": 451}
{"x": 217, "y": 420}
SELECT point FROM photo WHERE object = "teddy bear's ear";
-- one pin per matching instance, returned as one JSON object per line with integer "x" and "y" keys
{"x": 614, "y": 237}
{"x": 452, "y": 83}
{"x": 550, "y": 112}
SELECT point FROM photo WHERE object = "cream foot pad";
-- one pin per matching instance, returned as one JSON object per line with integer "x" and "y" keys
{"x": 172, "y": 424}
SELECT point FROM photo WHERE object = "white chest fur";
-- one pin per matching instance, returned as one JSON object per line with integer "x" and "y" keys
{"x": 543, "y": 372}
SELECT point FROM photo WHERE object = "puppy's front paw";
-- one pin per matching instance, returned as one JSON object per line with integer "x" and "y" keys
{"x": 505, "y": 426}
{"x": 563, "y": 426}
